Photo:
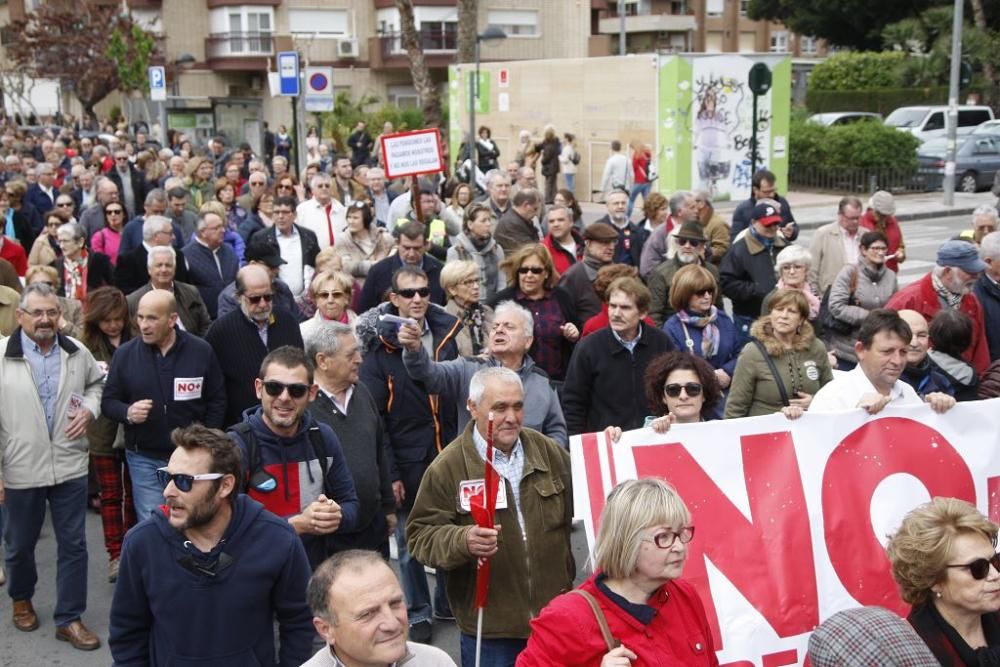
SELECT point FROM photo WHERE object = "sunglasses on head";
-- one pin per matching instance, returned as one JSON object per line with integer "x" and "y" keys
{"x": 674, "y": 390}
{"x": 181, "y": 481}
{"x": 260, "y": 297}
{"x": 980, "y": 568}
{"x": 409, "y": 293}
{"x": 537, "y": 270}
{"x": 275, "y": 388}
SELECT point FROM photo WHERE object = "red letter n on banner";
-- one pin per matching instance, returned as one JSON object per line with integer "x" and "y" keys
{"x": 768, "y": 558}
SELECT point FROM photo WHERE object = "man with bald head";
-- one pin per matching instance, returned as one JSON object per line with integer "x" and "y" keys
{"x": 241, "y": 339}
{"x": 164, "y": 379}
{"x": 920, "y": 372}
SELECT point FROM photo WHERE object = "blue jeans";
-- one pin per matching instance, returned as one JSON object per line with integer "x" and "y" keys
{"x": 637, "y": 189}
{"x": 570, "y": 182}
{"x": 147, "y": 493}
{"x": 68, "y": 506}
{"x": 495, "y": 653}
{"x": 414, "y": 578}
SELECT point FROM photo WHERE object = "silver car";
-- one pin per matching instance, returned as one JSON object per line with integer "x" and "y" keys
{"x": 977, "y": 160}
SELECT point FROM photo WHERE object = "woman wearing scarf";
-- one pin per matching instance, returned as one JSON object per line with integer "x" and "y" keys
{"x": 331, "y": 292}
{"x": 858, "y": 289}
{"x": 699, "y": 327}
{"x": 79, "y": 270}
{"x": 477, "y": 244}
{"x": 461, "y": 282}
{"x": 793, "y": 265}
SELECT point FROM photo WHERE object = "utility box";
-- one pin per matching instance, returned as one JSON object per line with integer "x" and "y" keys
{"x": 693, "y": 110}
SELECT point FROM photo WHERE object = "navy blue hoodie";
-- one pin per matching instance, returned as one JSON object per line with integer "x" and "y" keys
{"x": 164, "y": 613}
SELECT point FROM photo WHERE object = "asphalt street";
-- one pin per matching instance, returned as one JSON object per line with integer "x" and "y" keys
{"x": 19, "y": 649}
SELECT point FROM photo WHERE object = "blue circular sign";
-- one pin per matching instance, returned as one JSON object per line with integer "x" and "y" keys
{"x": 318, "y": 81}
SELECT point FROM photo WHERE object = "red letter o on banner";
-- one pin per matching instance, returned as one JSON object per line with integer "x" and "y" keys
{"x": 861, "y": 461}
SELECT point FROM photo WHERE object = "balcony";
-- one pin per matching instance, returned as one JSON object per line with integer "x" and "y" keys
{"x": 386, "y": 51}
{"x": 649, "y": 23}
{"x": 239, "y": 50}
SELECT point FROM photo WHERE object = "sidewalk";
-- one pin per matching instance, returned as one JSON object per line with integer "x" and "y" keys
{"x": 813, "y": 209}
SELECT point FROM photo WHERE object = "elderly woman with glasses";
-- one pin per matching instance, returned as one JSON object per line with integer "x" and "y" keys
{"x": 80, "y": 270}
{"x": 945, "y": 564}
{"x": 365, "y": 244}
{"x": 45, "y": 249}
{"x": 461, "y": 283}
{"x": 107, "y": 239}
{"x": 331, "y": 292}
{"x": 634, "y": 609}
{"x": 793, "y": 265}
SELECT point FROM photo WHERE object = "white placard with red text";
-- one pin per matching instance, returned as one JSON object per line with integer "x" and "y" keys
{"x": 412, "y": 153}
{"x": 791, "y": 516}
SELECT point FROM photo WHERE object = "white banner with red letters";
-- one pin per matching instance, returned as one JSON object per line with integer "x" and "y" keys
{"x": 792, "y": 516}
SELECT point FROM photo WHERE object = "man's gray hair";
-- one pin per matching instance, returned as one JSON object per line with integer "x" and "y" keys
{"x": 985, "y": 210}
{"x": 559, "y": 207}
{"x": 477, "y": 386}
{"x": 45, "y": 168}
{"x": 156, "y": 196}
{"x": 376, "y": 172}
{"x": 327, "y": 339}
{"x": 153, "y": 224}
{"x": 527, "y": 320}
{"x": 41, "y": 289}
{"x": 494, "y": 175}
{"x": 160, "y": 250}
{"x": 319, "y": 177}
{"x": 75, "y": 229}
{"x": 990, "y": 246}
{"x": 676, "y": 201}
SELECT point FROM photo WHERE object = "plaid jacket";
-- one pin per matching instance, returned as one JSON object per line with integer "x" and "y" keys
{"x": 868, "y": 637}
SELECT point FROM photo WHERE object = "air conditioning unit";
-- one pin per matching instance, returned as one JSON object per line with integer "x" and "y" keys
{"x": 347, "y": 48}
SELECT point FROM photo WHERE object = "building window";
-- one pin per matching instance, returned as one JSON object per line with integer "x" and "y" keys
{"x": 439, "y": 35}
{"x": 516, "y": 23}
{"x": 679, "y": 7}
{"x": 319, "y": 22}
{"x": 807, "y": 46}
{"x": 744, "y": 6}
{"x": 243, "y": 30}
{"x": 779, "y": 42}
{"x": 714, "y": 7}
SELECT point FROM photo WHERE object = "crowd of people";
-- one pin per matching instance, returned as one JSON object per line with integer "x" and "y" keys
{"x": 260, "y": 380}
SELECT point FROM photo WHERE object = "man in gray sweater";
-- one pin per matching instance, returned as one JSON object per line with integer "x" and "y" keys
{"x": 508, "y": 346}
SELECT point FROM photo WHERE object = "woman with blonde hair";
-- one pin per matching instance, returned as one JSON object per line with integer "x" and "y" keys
{"x": 331, "y": 291}
{"x": 460, "y": 281}
{"x": 198, "y": 183}
{"x": 634, "y": 609}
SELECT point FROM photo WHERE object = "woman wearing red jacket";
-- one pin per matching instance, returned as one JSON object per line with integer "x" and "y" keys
{"x": 881, "y": 217}
{"x": 652, "y": 617}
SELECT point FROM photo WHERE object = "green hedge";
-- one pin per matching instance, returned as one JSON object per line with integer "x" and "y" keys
{"x": 849, "y": 71}
{"x": 860, "y": 145}
{"x": 880, "y": 101}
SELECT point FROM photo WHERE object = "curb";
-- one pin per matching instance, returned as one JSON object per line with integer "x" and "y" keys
{"x": 902, "y": 217}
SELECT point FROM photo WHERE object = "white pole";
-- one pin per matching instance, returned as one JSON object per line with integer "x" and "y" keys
{"x": 479, "y": 636}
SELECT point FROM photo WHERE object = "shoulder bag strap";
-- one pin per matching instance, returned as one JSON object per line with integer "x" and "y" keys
{"x": 774, "y": 371}
{"x": 601, "y": 621}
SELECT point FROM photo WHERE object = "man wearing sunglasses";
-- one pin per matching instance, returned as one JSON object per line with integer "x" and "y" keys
{"x": 164, "y": 379}
{"x": 295, "y": 464}
{"x": 690, "y": 243}
{"x": 418, "y": 424}
{"x": 323, "y": 214}
{"x": 205, "y": 580}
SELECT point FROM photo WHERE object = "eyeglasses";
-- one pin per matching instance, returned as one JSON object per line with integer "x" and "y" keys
{"x": 321, "y": 186}
{"x": 878, "y": 248}
{"x": 666, "y": 539}
{"x": 184, "y": 482}
{"x": 51, "y": 314}
{"x": 708, "y": 291}
{"x": 323, "y": 296}
{"x": 793, "y": 267}
{"x": 53, "y": 224}
{"x": 275, "y": 388}
{"x": 121, "y": 159}
{"x": 257, "y": 184}
{"x": 535, "y": 270}
{"x": 471, "y": 282}
{"x": 285, "y": 186}
{"x": 980, "y": 568}
{"x": 259, "y": 297}
{"x": 65, "y": 204}
{"x": 674, "y": 390}
{"x": 694, "y": 243}
{"x": 114, "y": 211}
{"x": 409, "y": 293}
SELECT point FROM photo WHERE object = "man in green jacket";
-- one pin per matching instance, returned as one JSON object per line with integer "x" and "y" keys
{"x": 529, "y": 550}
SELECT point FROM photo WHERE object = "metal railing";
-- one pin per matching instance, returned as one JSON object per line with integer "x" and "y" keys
{"x": 237, "y": 44}
{"x": 434, "y": 39}
{"x": 856, "y": 179}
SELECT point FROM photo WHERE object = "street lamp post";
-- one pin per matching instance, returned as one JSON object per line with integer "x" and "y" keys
{"x": 952, "y": 126}
{"x": 492, "y": 33}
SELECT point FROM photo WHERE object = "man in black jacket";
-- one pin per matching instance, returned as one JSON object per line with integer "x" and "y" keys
{"x": 160, "y": 381}
{"x": 130, "y": 183}
{"x": 413, "y": 246}
{"x": 299, "y": 262}
{"x": 606, "y": 378}
{"x": 243, "y": 338}
{"x": 762, "y": 186}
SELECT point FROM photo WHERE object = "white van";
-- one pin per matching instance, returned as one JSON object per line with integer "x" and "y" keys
{"x": 928, "y": 122}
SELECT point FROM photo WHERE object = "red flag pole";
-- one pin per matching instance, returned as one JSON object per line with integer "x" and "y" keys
{"x": 490, "y": 489}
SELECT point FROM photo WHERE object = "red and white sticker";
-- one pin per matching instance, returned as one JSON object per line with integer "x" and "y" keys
{"x": 470, "y": 488}
{"x": 187, "y": 389}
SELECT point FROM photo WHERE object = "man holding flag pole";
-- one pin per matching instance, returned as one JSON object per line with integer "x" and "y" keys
{"x": 501, "y": 566}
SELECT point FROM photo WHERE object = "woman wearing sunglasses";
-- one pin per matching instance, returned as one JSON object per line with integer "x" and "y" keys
{"x": 108, "y": 239}
{"x": 45, "y": 249}
{"x": 783, "y": 365}
{"x": 634, "y": 609}
{"x": 331, "y": 292}
{"x": 533, "y": 278}
{"x": 945, "y": 564}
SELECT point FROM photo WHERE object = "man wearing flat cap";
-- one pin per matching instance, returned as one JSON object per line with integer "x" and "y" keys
{"x": 747, "y": 270}
{"x": 689, "y": 243}
{"x": 600, "y": 239}
{"x": 949, "y": 285}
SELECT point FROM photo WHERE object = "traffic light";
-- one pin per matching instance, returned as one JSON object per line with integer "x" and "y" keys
{"x": 964, "y": 74}
{"x": 760, "y": 79}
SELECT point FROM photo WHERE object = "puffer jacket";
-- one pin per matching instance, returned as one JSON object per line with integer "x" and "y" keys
{"x": 804, "y": 368}
{"x": 875, "y": 286}
{"x": 29, "y": 456}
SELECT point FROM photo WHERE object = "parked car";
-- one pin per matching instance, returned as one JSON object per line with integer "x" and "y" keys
{"x": 989, "y": 127}
{"x": 977, "y": 161}
{"x": 844, "y": 117}
{"x": 928, "y": 122}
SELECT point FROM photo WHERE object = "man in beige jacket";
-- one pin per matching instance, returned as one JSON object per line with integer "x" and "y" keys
{"x": 836, "y": 244}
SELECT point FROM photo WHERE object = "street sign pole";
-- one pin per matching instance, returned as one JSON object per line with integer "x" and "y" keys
{"x": 956, "y": 61}
{"x": 158, "y": 94}
{"x": 288, "y": 75}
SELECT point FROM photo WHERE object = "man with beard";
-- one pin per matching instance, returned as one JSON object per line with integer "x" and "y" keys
{"x": 920, "y": 373}
{"x": 655, "y": 250}
{"x": 949, "y": 285}
{"x": 241, "y": 339}
{"x": 881, "y": 348}
{"x": 691, "y": 243}
{"x": 51, "y": 393}
{"x": 205, "y": 582}
{"x": 295, "y": 465}
{"x": 600, "y": 240}
{"x": 164, "y": 379}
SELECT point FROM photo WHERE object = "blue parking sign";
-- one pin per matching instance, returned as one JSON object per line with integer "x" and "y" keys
{"x": 288, "y": 73}
{"x": 157, "y": 83}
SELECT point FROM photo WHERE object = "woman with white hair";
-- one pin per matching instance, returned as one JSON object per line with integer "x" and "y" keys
{"x": 461, "y": 281}
{"x": 793, "y": 265}
{"x": 634, "y": 609}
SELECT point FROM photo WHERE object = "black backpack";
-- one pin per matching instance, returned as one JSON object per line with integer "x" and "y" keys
{"x": 258, "y": 476}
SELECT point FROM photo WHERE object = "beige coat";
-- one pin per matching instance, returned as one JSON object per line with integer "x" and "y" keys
{"x": 827, "y": 256}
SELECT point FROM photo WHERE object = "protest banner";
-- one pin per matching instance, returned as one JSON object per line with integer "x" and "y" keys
{"x": 792, "y": 516}
{"x": 412, "y": 153}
